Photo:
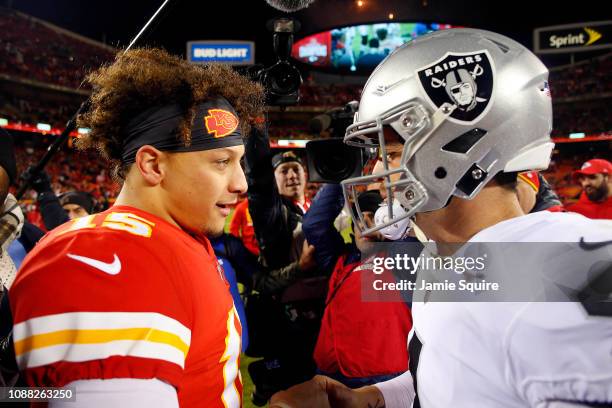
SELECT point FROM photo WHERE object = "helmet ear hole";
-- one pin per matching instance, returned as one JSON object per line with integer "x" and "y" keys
{"x": 440, "y": 172}
{"x": 472, "y": 178}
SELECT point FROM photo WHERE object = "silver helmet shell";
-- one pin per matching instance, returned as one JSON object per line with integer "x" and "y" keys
{"x": 467, "y": 104}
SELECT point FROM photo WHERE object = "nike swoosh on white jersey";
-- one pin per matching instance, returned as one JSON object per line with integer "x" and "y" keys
{"x": 112, "y": 268}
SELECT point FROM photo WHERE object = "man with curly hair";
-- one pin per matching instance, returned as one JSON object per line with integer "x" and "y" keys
{"x": 129, "y": 307}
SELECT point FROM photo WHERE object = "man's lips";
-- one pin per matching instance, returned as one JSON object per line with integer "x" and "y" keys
{"x": 225, "y": 208}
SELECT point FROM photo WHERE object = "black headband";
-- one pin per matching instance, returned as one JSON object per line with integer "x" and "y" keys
{"x": 215, "y": 125}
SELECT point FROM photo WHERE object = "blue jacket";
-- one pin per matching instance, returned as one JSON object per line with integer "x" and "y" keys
{"x": 318, "y": 227}
{"x": 239, "y": 265}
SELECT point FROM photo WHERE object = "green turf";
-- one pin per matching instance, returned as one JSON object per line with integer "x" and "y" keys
{"x": 247, "y": 384}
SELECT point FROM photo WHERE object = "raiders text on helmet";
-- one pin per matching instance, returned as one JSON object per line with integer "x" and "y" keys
{"x": 466, "y": 104}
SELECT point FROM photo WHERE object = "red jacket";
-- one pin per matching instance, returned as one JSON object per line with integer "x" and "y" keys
{"x": 241, "y": 226}
{"x": 591, "y": 209}
{"x": 357, "y": 338}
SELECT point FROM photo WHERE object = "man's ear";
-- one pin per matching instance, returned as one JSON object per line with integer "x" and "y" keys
{"x": 151, "y": 164}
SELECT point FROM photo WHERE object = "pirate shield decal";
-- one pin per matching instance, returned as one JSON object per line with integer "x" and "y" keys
{"x": 463, "y": 79}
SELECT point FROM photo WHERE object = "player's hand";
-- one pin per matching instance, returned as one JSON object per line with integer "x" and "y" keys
{"x": 324, "y": 392}
{"x": 307, "y": 258}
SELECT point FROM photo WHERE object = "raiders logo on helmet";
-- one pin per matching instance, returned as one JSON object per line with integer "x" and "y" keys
{"x": 463, "y": 79}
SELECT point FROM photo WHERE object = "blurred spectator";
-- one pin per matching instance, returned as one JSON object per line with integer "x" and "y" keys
{"x": 346, "y": 350}
{"x": 535, "y": 194}
{"x": 241, "y": 226}
{"x": 290, "y": 178}
{"x": 290, "y": 303}
{"x": 51, "y": 210}
{"x": 596, "y": 198}
{"x": 77, "y": 204}
{"x": 311, "y": 190}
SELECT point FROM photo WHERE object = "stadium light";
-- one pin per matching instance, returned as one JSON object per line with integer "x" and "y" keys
{"x": 360, "y": 3}
{"x": 391, "y": 16}
{"x": 3, "y": 122}
{"x": 291, "y": 143}
{"x": 578, "y": 135}
{"x": 45, "y": 127}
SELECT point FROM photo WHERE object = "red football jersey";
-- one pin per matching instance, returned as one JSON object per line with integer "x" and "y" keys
{"x": 125, "y": 294}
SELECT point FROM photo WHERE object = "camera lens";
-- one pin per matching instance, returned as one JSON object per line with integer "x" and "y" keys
{"x": 336, "y": 166}
{"x": 283, "y": 78}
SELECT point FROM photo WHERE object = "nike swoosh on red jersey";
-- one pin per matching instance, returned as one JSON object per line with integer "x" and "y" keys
{"x": 112, "y": 268}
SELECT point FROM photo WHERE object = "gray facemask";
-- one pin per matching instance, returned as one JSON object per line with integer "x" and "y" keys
{"x": 11, "y": 222}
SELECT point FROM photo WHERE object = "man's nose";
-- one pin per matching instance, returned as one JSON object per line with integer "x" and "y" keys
{"x": 238, "y": 183}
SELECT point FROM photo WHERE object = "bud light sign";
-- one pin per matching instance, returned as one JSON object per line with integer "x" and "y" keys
{"x": 221, "y": 52}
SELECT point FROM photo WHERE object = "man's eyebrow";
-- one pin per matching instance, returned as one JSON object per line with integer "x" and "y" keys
{"x": 230, "y": 151}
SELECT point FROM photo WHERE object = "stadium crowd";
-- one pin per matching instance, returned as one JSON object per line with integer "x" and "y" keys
{"x": 32, "y": 50}
{"x": 585, "y": 78}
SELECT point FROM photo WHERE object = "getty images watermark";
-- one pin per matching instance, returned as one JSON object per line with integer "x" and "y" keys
{"x": 404, "y": 263}
{"x": 487, "y": 272}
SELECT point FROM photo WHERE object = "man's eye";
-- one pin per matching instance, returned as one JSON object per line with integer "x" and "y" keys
{"x": 392, "y": 156}
{"x": 222, "y": 163}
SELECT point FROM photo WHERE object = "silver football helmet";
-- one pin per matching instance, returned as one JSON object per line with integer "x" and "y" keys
{"x": 466, "y": 104}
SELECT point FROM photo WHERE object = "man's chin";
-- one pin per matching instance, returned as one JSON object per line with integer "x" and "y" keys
{"x": 213, "y": 231}
{"x": 595, "y": 196}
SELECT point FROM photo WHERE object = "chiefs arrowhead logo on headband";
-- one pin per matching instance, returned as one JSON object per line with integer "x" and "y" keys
{"x": 220, "y": 122}
{"x": 463, "y": 79}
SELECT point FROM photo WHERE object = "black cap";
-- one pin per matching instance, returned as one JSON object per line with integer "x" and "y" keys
{"x": 7, "y": 155}
{"x": 369, "y": 200}
{"x": 79, "y": 198}
{"x": 284, "y": 157}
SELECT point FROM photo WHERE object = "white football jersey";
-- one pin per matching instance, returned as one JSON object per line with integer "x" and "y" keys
{"x": 519, "y": 354}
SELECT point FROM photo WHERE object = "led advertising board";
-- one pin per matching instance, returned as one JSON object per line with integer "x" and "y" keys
{"x": 358, "y": 48}
{"x": 221, "y": 52}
